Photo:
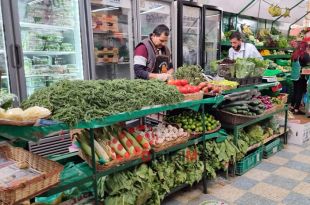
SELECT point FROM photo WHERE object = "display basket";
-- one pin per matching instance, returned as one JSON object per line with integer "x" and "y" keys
{"x": 165, "y": 145}
{"x": 249, "y": 161}
{"x": 108, "y": 165}
{"x": 272, "y": 148}
{"x": 232, "y": 119}
{"x": 193, "y": 96}
{"x": 49, "y": 177}
{"x": 197, "y": 134}
{"x": 19, "y": 123}
{"x": 246, "y": 81}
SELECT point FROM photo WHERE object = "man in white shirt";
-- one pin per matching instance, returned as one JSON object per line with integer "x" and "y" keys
{"x": 240, "y": 49}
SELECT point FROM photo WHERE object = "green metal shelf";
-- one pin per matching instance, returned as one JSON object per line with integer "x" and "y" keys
{"x": 34, "y": 133}
{"x": 227, "y": 43}
{"x": 131, "y": 164}
{"x": 259, "y": 87}
{"x": 277, "y": 57}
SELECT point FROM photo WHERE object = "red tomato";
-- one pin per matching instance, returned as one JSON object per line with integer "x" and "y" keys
{"x": 202, "y": 85}
{"x": 171, "y": 82}
{"x": 196, "y": 89}
{"x": 184, "y": 82}
{"x": 178, "y": 83}
{"x": 183, "y": 90}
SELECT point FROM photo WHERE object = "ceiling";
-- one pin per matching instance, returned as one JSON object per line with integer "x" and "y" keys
{"x": 259, "y": 8}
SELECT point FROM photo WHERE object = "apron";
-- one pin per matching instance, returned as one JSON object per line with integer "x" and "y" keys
{"x": 161, "y": 64}
{"x": 243, "y": 55}
{"x": 295, "y": 73}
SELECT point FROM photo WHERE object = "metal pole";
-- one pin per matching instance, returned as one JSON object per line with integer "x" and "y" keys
{"x": 282, "y": 14}
{"x": 288, "y": 33}
{"x": 204, "y": 154}
{"x": 91, "y": 133}
{"x": 285, "y": 125}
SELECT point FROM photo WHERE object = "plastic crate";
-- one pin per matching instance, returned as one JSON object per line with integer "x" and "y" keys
{"x": 249, "y": 161}
{"x": 272, "y": 147}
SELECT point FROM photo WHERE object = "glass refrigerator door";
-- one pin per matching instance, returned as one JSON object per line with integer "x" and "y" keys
{"x": 4, "y": 76}
{"x": 51, "y": 41}
{"x": 152, "y": 13}
{"x": 191, "y": 34}
{"x": 212, "y": 36}
{"x": 113, "y": 38}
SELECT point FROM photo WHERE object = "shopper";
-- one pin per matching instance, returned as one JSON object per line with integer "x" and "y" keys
{"x": 241, "y": 49}
{"x": 152, "y": 58}
{"x": 300, "y": 58}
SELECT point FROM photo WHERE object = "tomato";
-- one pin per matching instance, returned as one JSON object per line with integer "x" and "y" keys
{"x": 183, "y": 90}
{"x": 191, "y": 89}
{"x": 171, "y": 82}
{"x": 202, "y": 85}
{"x": 179, "y": 88}
{"x": 196, "y": 89}
{"x": 184, "y": 82}
{"x": 178, "y": 83}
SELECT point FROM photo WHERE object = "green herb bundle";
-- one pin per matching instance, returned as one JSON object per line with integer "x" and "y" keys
{"x": 73, "y": 101}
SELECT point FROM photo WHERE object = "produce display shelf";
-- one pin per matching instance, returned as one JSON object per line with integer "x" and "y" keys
{"x": 33, "y": 133}
{"x": 264, "y": 142}
{"x": 250, "y": 122}
{"x": 259, "y": 87}
{"x": 153, "y": 155}
{"x": 277, "y": 56}
{"x": 227, "y": 43}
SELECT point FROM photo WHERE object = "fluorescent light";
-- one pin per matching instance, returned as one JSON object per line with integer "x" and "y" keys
{"x": 106, "y": 9}
{"x": 151, "y": 10}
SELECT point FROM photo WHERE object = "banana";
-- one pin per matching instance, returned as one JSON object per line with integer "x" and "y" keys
{"x": 286, "y": 13}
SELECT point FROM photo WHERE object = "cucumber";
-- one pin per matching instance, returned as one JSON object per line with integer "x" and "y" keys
{"x": 243, "y": 107}
{"x": 254, "y": 109}
{"x": 255, "y": 103}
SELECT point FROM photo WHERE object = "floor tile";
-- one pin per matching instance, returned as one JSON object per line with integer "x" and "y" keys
{"x": 305, "y": 152}
{"x": 296, "y": 199}
{"x": 298, "y": 165}
{"x": 294, "y": 148}
{"x": 281, "y": 182}
{"x": 307, "y": 179}
{"x": 303, "y": 188}
{"x": 228, "y": 193}
{"x": 276, "y": 160}
{"x": 244, "y": 183}
{"x": 302, "y": 158}
{"x": 266, "y": 166}
{"x": 257, "y": 174}
{"x": 285, "y": 154}
{"x": 253, "y": 199}
{"x": 206, "y": 197}
{"x": 290, "y": 173}
{"x": 270, "y": 192}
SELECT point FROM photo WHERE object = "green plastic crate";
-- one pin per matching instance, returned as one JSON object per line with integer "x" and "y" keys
{"x": 272, "y": 147}
{"x": 249, "y": 161}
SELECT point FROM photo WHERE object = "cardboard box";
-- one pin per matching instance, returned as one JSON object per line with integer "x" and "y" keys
{"x": 299, "y": 133}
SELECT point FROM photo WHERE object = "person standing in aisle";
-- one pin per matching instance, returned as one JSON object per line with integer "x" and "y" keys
{"x": 241, "y": 49}
{"x": 300, "y": 58}
{"x": 152, "y": 58}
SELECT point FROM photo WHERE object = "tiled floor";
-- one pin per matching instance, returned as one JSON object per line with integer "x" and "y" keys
{"x": 282, "y": 179}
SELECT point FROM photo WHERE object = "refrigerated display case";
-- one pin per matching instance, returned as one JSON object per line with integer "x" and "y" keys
{"x": 50, "y": 33}
{"x": 151, "y": 14}
{"x": 4, "y": 75}
{"x": 113, "y": 38}
{"x": 189, "y": 39}
{"x": 212, "y": 35}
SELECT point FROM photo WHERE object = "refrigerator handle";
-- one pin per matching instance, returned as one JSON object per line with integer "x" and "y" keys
{"x": 13, "y": 53}
{"x": 19, "y": 55}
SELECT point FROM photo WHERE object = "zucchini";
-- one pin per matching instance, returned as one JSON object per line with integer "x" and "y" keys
{"x": 243, "y": 107}
{"x": 255, "y": 102}
{"x": 238, "y": 103}
{"x": 231, "y": 109}
{"x": 254, "y": 109}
